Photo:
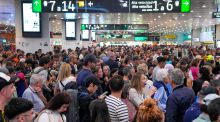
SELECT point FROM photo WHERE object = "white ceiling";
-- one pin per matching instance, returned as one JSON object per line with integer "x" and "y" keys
{"x": 201, "y": 15}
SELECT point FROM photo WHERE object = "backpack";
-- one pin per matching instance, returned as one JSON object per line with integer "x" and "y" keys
{"x": 70, "y": 85}
{"x": 72, "y": 114}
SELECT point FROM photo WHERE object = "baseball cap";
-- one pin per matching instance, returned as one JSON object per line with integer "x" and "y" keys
{"x": 91, "y": 79}
{"x": 5, "y": 80}
{"x": 4, "y": 70}
{"x": 207, "y": 100}
{"x": 89, "y": 58}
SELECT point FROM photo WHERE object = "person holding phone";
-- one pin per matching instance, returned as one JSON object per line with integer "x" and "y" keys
{"x": 34, "y": 93}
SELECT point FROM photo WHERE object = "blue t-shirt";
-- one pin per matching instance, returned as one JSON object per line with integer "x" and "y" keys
{"x": 83, "y": 74}
{"x": 192, "y": 112}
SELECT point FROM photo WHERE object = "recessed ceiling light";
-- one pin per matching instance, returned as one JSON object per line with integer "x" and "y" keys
{"x": 155, "y": 19}
{"x": 204, "y": 6}
{"x": 97, "y": 15}
{"x": 79, "y": 17}
{"x": 183, "y": 15}
{"x": 55, "y": 15}
{"x": 164, "y": 13}
{"x": 53, "y": 21}
{"x": 58, "y": 23}
{"x": 61, "y": 18}
{"x": 200, "y": 16}
{"x": 118, "y": 13}
{"x": 158, "y": 16}
{"x": 140, "y": 15}
{"x": 192, "y": 11}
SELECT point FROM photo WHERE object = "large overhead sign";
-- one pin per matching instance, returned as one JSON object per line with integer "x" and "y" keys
{"x": 111, "y": 6}
{"x": 114, "y": 26}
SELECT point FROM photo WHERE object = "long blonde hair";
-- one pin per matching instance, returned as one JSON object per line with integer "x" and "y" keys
{"x": 64, "y": 71}
{"x": 136, "y": 82}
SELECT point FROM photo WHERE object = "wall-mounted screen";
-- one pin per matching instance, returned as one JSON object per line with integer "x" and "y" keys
{"x": 93, "y": 36}
{"x": 70, "y": 29}
{"x": 31, "y": 22}
{"x": 85, "y": 35}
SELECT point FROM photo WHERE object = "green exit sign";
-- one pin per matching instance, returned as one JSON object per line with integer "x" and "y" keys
{"x": 185, "y": 6}
{"x": 36, "y": 6}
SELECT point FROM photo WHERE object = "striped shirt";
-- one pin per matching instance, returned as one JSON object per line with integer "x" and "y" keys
{"x": 118, "y": 111}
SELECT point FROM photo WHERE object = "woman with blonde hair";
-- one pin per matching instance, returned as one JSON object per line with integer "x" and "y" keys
{"x": 149, "y": 112}
{"x": 64, "y": 76}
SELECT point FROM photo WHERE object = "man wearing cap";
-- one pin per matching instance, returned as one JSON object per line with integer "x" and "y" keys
{"x": 204, "y": 117}
{"x": 19, "y": 110}
{"x": 195, "y": 109}
{"x": 85, "y": 95}
{"x": 7, "y": 90}
{"x": 89, "y": 62}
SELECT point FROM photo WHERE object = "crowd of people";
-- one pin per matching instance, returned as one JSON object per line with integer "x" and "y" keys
{"x": 111, "y": 84}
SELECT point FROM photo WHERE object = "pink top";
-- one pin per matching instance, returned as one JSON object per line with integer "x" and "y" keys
{"x": 195, "y": 72}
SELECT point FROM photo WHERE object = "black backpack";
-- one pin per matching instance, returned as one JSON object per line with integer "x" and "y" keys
{"x": 70, "y": 85}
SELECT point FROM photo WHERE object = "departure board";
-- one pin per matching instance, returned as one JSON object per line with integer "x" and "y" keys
{"x": 114, "y": 26}
{"x": 111, "y": 6}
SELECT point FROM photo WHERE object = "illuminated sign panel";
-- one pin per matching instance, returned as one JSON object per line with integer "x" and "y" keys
{"x": 111, "y": 6}
{"x": 114, "y": 26}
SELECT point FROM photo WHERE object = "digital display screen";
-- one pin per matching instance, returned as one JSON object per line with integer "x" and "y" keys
{"x": 31, "y": 22}
{"x": 70, "y": 29}
{"x": 216, "y": 15}
{"x": 142, "y": 39}
{"x": 93, "y": 36}
{"x": 114, "y": 26}
{"x": 85, "y": 35}
{"x": 111, "y": 6}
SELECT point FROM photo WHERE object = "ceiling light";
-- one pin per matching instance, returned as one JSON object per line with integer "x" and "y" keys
{"x": 118, "y": 13}
{"x": 200, "y": 16}
{"x": 155, "y": 19}
{"x": 53, "y": 21}
{"x": 61, "y": 18}
{"x": 55, "y": 15}
{"x": 97, "y": 15}
{"x": 164, "y": 13}
{"x": 204, "y": 6}
{"x": 140, "y": 15}
{"x": 183, "y": 15}
{"x": 79, "y": 17}
{"x": 58, "y": 23}
{"x": 158, "y": 16}
{"x": 192, "y": 11}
